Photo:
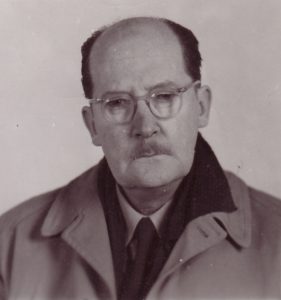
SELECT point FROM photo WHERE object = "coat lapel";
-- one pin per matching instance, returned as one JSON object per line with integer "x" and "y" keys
{"x": 204, "y": 232}
{"x": 199, "y": 235}
{"x": 77, "y": 215}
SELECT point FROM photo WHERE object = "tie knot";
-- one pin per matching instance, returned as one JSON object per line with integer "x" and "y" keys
{"x": 145, "y": 232}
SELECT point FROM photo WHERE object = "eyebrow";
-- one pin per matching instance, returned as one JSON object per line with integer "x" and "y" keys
{"x": 162, "y": 84}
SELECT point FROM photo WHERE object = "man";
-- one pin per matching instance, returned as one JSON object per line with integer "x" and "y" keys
{"x": 157, "y": 218}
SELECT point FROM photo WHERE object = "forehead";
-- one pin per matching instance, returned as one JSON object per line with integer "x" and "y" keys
{"x": 141, "y": 50}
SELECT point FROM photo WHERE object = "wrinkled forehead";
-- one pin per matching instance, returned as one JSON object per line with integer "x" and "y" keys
{"x": 132, "y": 38}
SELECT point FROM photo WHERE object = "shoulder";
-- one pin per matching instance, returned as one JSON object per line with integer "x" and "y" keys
{"x": 23, "y": 226}
{"x": 33, "y": 210}
{"x": 266, "y": 211}
{"x": 26, "y": 210}
{"x": 20, "y": 225}
{"x": 264, "y": 201}
{"x": 265, "y": 208}
{"x": 237, "y": 185}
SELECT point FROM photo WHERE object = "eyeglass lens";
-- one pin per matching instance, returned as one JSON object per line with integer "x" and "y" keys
{"x": 163, "y": 104}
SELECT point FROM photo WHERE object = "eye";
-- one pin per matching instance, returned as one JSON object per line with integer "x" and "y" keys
{"x": 116, "y": 105}
{"x": 115, "y": 102}
{"x": 164, "y": 97}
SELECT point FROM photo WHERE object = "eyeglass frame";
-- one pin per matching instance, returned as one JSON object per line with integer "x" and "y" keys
{"x": 147, "y": 98}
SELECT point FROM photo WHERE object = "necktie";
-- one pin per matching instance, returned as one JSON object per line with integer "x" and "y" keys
{"x": 134, "y": 281}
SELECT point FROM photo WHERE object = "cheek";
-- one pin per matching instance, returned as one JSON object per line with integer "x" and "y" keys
{"x": 184, "y": 130}
{"x": 114, "y": 142}
{"x": 183, "y": 138}
{"x": 116, "y": 148}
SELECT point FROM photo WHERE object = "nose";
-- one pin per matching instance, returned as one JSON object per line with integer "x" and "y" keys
{"x": 144, "y": 123}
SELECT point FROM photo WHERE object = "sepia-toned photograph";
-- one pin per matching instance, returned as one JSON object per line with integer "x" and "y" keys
{"x": 140, "y": 149}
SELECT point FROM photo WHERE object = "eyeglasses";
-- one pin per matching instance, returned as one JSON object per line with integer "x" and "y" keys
{"x": 163, "y": 103}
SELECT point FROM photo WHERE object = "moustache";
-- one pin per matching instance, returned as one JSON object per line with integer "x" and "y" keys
{"x": 150, "y": 149}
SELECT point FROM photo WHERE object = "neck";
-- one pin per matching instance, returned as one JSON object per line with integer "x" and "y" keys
{"x": 148, "y": 200}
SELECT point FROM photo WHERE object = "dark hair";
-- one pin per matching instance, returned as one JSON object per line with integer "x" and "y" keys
{"x": 188, "y": 41}
{"x": 86, "y": 48}
{"x": 190, "y": 48}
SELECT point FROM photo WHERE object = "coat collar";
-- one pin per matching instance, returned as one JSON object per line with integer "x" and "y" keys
{"x": 238, "y": 223}
{"x": 78, "y": 216}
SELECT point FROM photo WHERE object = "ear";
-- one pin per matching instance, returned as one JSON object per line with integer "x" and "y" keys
{"x": 204, "y": 97}
{"x": 88, "y": 117}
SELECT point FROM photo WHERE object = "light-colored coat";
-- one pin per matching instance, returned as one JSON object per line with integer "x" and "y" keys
{"x": 56, "y": 246}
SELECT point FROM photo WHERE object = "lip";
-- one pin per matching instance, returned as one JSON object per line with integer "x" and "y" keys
{"x": 145, "y": 155}
{"x": 148, "y": 153}
{"x": 149, "y": 150}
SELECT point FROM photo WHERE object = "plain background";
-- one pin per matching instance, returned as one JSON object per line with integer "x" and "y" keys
{"x": 43, "y": 140}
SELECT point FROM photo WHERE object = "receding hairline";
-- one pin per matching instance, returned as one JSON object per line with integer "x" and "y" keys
{"x": 187, "y": 40}
{"x": 130, "y": 22}
{"x": 118, "y": 28}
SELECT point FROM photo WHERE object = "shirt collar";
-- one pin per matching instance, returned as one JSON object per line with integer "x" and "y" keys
{"x": 132, "y": 217}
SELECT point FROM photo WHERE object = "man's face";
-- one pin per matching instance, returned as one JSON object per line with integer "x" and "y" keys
{"x": 148, "y": 151}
